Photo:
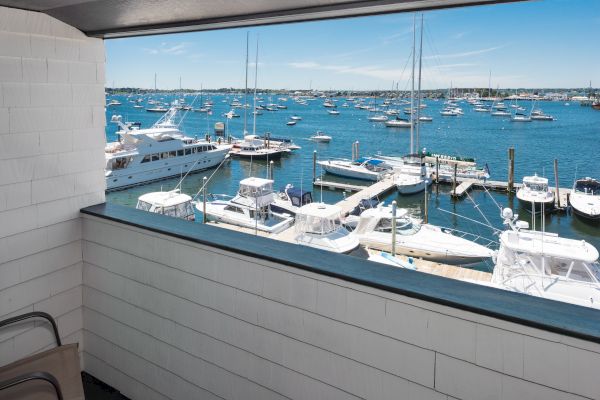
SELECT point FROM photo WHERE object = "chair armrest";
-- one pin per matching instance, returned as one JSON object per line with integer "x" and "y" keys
{"x": 38, "y": 375}
{"x": 34, "y": 314}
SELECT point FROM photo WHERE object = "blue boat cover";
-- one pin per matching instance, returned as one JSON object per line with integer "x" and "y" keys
{"x": 371, "y": 161}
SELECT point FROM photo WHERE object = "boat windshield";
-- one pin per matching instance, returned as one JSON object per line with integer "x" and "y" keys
{"x": 404, "y": 226}
{"x": 256, "y": 191}
{"x": 588, "y": 187}
{"x": 537, "y": 187}
{"x": 317, "y": 225}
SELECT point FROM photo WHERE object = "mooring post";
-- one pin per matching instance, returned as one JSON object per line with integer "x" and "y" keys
{"x": 314, "y": 166}
{"x": 556, "y": 182}
{"x": 437, "y": 170}
{"x": 353, "y": 151}
{"x": 454, "y": 179}
{"x": 394, "y": 228}
{"x": 426, "y": 207}
{"x": 357, "y": 152}
{"x": 271, "y": 170}
{"x": 511, "y": 170}
{"x": 204, "y": 200}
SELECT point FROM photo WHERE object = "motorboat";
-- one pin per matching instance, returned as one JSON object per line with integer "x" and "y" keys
{"x": 138, "y": 106}
{"x": 415, "y": 239}
{"x": 534, "y": 195}
{"x": 501, "y": 113}
{"x": 398, "y": 123}
{"x": 411, "y": 176}
{"x": 449, "y": 113}
{"x": 333, "y": 112}
{"x": 520, "y": 118}
{"x": 481, "y": 109}
{"x": 113, "y": 103}
{"x": 290, "y": 199}
{"x": 539, "y": 115}
{"x": 250, "y": 208}
{"x": 329, "y": 104}
{"x": 158, "y": 109}
{"x": 546, "y": 265}
{"x": 254, "y": 147}
{"x": 585, "y": 198}
{"x": 172, "y": 203}
{"x": 365, "y": 168}
{"x": 320, "y": 137}
{"x": 291, "y": 123}
{"x": 296, "y": 118}
{"x": 159, "y": 152}
{"x": 378, "y": 118}
{"x": 425, "y": 118}
{"x": 319, "y": 225}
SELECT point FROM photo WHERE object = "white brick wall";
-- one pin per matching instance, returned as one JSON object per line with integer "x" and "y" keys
{"x": 156, "y": 306}
{"x": 51, "y": 165}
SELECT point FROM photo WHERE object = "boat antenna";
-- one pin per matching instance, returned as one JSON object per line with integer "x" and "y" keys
{"x": 419, "y": 86}
{"x": 255, "y": 84}
{"x": 209, "y": 178}
{"x": 412, "y": 88}
{"x": 496, "y": 230}
{"x": 246, "y": 88}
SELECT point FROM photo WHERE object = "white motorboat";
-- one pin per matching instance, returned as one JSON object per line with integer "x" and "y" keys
{"x": 545, "y": 265}
{"x": 333, "y": 112}
{"x": 320, "y": 137}
{"x": 411, "y": 177}
{"x": 138, "y": 106}
{"x": 538, "y": 115}
{"x": 449, "y": 113}
{"x": 290, "y": 199}
{"x": 254, "y": 147}
{"x": 415, "y": 239}
{"x": 291, "y": 123}
{"x": 398, "y": 123}
{"x": 162, "y": 151}
{"x": 113, "y": 103}
{"x": 319, "y": 225}
{"x": 481, "y": 109}
{"x": 159, "y": 109}
{"x": 501, "y": 113}
{"x": 295, "y": 118}
{"x": 520, "y": 118}
{"x": 535, "y": 195}
{"x": 585, "y": 198}
{"x": 378, "y": 118}
{"x": 370, "y": 169}
{"x": 250, "y": 208}
{"x": 172, "y": 203}
{"x": 425, "y": 118}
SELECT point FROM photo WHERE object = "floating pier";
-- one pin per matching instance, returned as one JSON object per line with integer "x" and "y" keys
{"x": 381, "y": 188}
{"x": 445, "y": 270}
{"x": 331, "y": 185}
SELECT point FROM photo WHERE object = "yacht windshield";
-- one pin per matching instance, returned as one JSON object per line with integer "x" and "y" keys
{"x": 317, "y": 225}
{"x": 537, "y": 187}
{"x": 404, "y": 226}
{"x": 256, "y": 191}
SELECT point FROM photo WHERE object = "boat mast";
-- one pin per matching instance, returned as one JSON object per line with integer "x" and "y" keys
{"x": 419, "y": 86}
{"x": 246, "y": 89}
{"x": 255, "y": 84}
{"x": 490, "y": 85}
{"x": 412, "y": 88}
{"x": 155, "y": 81}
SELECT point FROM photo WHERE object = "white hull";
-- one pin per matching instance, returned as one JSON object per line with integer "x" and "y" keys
{"x": 349, "y": 172}
{"x": 154, "y": 171}
{"x": 585, "y": 205}
{"x": 216, "y": 212}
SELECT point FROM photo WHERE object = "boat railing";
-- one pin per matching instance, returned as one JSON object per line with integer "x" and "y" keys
{"x": 479, "y": 239}
{"x": 218, "y": 197}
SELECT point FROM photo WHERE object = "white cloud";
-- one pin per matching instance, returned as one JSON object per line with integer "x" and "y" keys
{"x": 466, "y": 53}
{"x": 169, "y": 49}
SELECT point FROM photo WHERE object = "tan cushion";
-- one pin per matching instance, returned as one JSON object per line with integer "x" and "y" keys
{"x": 62, "y": 362}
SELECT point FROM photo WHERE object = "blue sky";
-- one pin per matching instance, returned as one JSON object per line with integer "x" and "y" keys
{"x": 550, "y": 43}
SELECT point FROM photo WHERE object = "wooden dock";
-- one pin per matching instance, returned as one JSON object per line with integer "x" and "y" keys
{"x": 331, "y": 185}
{"x": 445, "y": 270}
{"x": 377, "y": 189}
{"x": 461, "y": 189}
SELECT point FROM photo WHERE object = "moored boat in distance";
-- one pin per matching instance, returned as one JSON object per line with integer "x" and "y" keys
{"x": 320, "y": 137}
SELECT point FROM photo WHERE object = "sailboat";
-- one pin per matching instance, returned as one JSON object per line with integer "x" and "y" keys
{"x": 407, "y": 180}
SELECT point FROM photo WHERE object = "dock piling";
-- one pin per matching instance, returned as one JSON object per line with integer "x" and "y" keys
{"x": 314, "y": 166}
{"x": 511, "y": 170}
{"x": 556, "y": 182}
{"x": 426, "y": 207}
{"x": 454, "y": 180}
{"x": 437, "y": 170}
{"x": 271, "y": 174}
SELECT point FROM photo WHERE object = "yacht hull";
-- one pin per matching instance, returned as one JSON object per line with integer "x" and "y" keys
{"x": 347, "y": 173}
{"x": 536, "y": 206}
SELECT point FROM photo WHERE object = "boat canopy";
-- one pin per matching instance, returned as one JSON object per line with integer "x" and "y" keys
{"x": 298, "y": 197}
{"x": 371, "y": 161}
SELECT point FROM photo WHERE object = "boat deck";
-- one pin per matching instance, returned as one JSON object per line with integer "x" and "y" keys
{"x": 445, "y": 270}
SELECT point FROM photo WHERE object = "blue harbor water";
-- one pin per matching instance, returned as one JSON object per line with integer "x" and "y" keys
{"x": 572, "y": 138}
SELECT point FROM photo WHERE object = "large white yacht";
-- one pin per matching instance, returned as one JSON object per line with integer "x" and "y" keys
{"x": 162, "y": 151}
{"x": 535, "y": 195}
{"x": 429, "y": 242}
{"x": 369, "y": 169}
{"x": 546, "y": 265}
{"x": 585, "y": 198}
{"x": 172, "y": 203}
{"x": 250, "y": 208}
{"x": 319, "y": 225}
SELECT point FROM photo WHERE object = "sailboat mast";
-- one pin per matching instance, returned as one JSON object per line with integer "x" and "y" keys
{"x": 255, "y": 84}
{"x": 490, "y": 85}
{"x": 419, "y": 85}
{"x": 155, "y": 81}
{"x": 412, "y": 88}
{"x": 246, "y": 89}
